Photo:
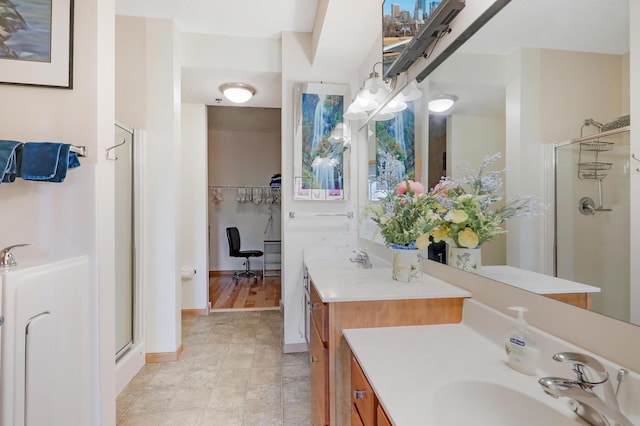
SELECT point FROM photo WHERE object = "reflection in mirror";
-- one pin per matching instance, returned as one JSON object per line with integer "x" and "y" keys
{"x": 321, "y": 139}
{"x": 393, "y": 148}
{"x": 525, "y": 81}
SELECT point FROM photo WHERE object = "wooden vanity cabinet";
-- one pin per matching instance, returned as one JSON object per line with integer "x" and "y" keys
{"x": 366, "y": 409}
{"x": 319, "y": 360}
{"x": 331, "y": 375}
{"x": 381, "y": 417}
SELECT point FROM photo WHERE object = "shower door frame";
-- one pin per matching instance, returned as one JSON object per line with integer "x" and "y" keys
{"x": 135, "y": 229}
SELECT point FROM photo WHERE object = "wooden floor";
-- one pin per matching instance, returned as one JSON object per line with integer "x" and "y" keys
{"x": 225, "y": 293}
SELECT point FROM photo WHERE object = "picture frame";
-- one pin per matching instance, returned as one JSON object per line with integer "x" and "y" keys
{"x": 321, "y": 163}
{"x": 36, "y": 43}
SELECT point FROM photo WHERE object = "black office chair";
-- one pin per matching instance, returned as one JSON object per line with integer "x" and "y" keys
{"x": 233, "y": 236}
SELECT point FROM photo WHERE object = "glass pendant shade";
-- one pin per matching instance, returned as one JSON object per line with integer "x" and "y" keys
{"x": 409, "y": 93}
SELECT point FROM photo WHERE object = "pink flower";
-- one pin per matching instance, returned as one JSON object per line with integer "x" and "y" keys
{"x": 443, "y": 187}
{"x": 416, "y": 187}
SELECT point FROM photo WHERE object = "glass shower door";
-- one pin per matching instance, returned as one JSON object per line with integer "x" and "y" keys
{"x": 593, "y": 219}
{"x": 122, "y": 155}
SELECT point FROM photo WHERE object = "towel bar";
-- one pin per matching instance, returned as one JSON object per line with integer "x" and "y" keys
{"x": 80, "y": 150}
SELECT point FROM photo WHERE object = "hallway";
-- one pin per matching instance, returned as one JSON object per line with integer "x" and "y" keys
{"x": 232, "y": 372}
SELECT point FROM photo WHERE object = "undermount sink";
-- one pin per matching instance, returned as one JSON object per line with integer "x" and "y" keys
{"x": 484, "y": 403}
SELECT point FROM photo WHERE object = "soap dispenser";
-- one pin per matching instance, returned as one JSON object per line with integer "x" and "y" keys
{"x": 522, "y": 352}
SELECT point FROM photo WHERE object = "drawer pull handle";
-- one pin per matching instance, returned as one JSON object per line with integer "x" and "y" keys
{"x": 314, "y": 359}
{"x": 358, "y": 394}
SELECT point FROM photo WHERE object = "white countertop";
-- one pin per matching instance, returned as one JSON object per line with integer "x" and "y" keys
{"x": 533, "y": 281}
{"x": 338, "y": 280}
{"x": 455, "y": 374}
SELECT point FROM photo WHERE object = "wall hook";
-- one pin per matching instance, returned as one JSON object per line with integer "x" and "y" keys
{"x": 112, "y": 148}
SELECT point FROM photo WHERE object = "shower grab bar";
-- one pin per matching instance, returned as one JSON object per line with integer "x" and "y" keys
{"x": 633, "y": 155}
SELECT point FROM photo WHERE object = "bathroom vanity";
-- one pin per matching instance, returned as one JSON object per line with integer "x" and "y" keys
{"x": 572, "y": 292}
{"x": 453, "y": 374}
{"x": 343, "y": 296}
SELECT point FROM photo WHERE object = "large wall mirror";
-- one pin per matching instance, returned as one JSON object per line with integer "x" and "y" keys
{"x": 538, "y": 75}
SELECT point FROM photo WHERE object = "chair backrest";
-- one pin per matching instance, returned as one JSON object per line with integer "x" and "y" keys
{"x": 233, "y": 237}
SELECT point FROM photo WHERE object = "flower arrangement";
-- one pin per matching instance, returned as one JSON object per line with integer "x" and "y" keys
{"x": 406, "y": 216}
{"x": 469, "y": 208}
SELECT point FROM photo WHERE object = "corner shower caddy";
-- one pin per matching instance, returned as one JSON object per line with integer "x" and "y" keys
{"x": 590, "y": 149}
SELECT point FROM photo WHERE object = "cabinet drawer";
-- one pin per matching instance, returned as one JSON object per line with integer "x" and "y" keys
{"x": 362, "y": 394}
{"x": 320, "y": 314}
{"x": 381, "y": 417}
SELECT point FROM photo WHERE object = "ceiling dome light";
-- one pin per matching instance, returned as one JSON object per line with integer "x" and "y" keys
{"x": 441, "y": 103}
{"x": 238, "y": 93}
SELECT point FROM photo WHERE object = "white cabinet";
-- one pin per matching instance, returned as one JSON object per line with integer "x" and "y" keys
{"x": 272, "y": 258}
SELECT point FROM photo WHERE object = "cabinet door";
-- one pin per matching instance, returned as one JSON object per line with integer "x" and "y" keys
{"x": 362, "y": 394}
{"x": 355, "y": 417}
{"x": 319, "y": 358}
{"x": 381, "y": 417}
{"x": 320, "y": 314}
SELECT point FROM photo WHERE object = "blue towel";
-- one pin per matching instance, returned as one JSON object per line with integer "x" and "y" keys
{"x": 10, "y": 153}
{"x": 47, "y": 161}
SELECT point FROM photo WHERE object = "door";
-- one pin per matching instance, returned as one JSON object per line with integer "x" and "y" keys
{"x": 122, "y": 155}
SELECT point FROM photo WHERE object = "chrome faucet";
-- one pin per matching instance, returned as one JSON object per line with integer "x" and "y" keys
{"x": 6, "y": 256}
{"x": 583, "y": 400}
{"x": 362, "y": 259}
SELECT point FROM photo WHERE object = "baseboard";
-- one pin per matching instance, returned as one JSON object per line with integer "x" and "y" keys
{"x": 295, "y": 347}
{"x": 163, "y": 356}
{"x": 195, "y": 312}
{"x": 270, "y": 308}
{"x": 128, "y": 366}
{"x": 220, "y": 273}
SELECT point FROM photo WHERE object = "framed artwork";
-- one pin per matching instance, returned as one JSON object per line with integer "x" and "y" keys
{"x": 319, "y": 158}
{"x": 36, "y": 43}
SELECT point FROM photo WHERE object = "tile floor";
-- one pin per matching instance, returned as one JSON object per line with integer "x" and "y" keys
{"x": 232, "y": 372}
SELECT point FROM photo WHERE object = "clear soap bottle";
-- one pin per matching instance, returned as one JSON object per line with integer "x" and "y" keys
{"x": 522, "y": 352}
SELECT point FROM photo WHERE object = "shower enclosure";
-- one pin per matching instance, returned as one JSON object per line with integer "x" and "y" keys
{"x": 592, "y": 217}
{"x": 122, "y": 155}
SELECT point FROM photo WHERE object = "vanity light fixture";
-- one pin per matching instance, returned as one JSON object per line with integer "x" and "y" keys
{"x": 238, "y": 93}
{"x": 410, "y": 93}
{"x": 441, "y": 103}
{"x": 370, "y": 95}
{"x": 373, "y": 87}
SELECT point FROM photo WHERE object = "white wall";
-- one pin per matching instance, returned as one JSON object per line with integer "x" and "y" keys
{"x": 62, "y": 220}
{"x": 195, "y": 292}
{"x": 305, "y": 231}
{"x": 148, "y": 99}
